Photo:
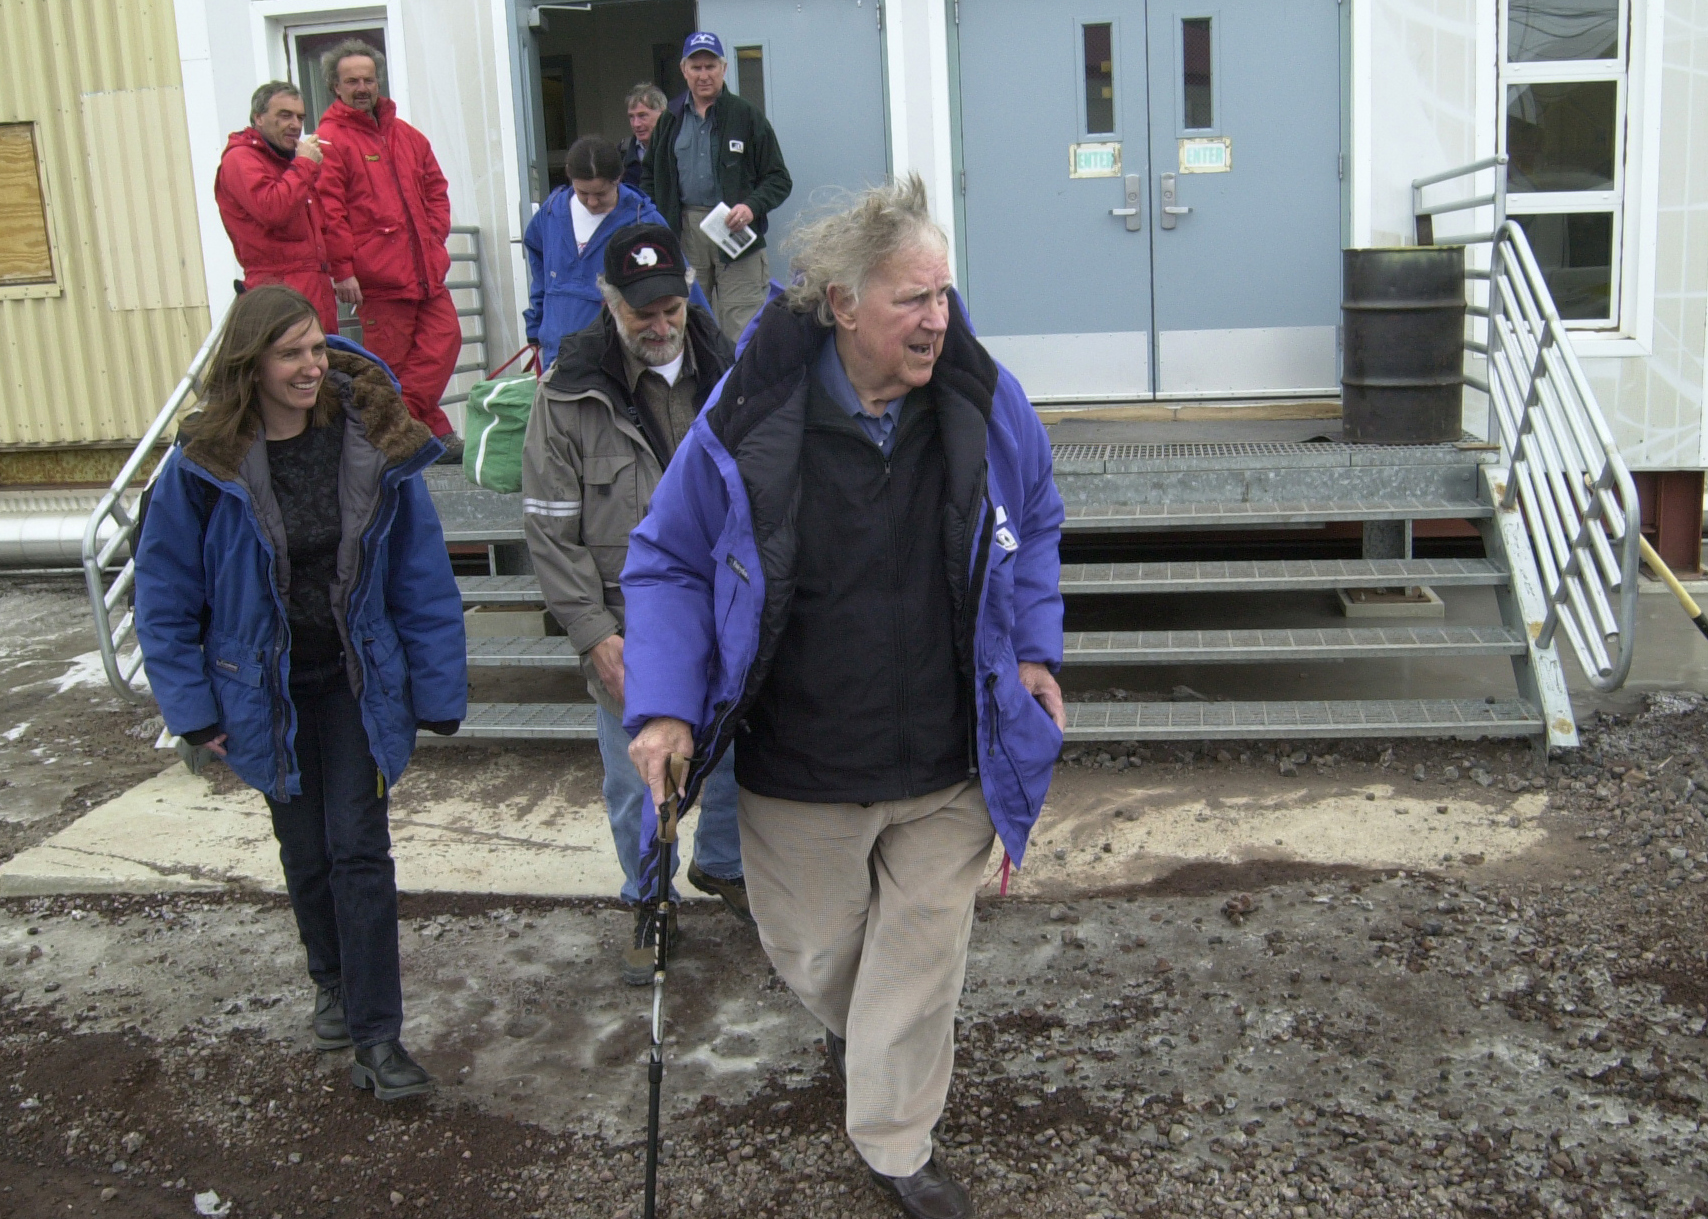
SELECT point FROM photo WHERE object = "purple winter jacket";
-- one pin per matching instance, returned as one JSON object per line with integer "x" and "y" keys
{"x": 710, "y": 571}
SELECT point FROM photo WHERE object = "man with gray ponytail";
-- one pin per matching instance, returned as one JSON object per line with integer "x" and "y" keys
{"x": 849, "y": 572}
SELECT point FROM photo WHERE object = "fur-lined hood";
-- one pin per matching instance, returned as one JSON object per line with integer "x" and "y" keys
{"x": 366, "y": 396}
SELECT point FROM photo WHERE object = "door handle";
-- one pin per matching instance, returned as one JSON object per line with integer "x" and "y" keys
{"x": 1170, "y": 208}
{"x": 1134, "y": 188}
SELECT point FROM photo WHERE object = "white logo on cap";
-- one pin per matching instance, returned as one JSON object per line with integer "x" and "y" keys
{"x": 646, "y": 256}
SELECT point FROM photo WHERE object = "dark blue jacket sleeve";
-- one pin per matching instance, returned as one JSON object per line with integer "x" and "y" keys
{"x": 170, "y": 595}
{"x": 534, "y": 243}
{"x": 426, "y": 608}
{"x": 1038, "y": 562}
{"x": 670, "y": 641}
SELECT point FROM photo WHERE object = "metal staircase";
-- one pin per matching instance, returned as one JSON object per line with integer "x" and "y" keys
{"x": 1127, "y": 489}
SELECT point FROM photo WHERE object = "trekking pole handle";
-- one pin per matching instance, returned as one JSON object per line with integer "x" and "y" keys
{"x": 675, "y": 776}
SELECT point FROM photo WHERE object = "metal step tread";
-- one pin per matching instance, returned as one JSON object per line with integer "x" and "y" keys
{"x": 1276, "y": 575}
{"x": 1127, "y": 721}
{"x": 1136, "y": 458}
{"x": 500, "y": 590}
{"x": 1287, "y": 644}
{"x": 1272, "y": 575}
{"x": 498, "y": 651}
{"x": 1360, "y": 717}
{"x": 1086, "y": 517}
{"x": 530, "y": 721}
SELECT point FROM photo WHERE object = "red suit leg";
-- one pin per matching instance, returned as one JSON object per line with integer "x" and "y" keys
{"x": 421, "y": 341}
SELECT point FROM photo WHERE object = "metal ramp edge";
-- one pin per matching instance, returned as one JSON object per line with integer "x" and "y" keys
{"x": 1283, "y": 575}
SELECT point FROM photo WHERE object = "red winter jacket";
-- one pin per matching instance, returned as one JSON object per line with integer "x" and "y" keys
{"x": 269, "y": 208}
{"x": 388, "y": 211}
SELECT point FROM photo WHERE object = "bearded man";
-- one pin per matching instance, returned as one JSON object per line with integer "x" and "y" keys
{"x": 609, "y": 414}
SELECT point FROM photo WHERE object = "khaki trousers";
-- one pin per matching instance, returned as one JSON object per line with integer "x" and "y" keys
{"x": 736, "y": 289}
{"x": 866, "y": 914}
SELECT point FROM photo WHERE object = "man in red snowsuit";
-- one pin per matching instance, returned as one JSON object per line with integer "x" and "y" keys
{"x": 387, "y": 217}
{"x": 265, "y": 189}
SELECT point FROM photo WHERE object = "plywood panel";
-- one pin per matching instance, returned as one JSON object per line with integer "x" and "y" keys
{"x": 24, "y": 254}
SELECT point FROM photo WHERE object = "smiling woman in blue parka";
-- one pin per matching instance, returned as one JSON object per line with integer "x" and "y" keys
{"x": 296, "y": 606}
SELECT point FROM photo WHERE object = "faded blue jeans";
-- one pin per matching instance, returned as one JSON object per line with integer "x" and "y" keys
{"x": 717, "y": 838}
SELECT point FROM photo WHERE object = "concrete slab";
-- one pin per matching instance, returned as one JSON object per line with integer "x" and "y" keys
{"x": 455, "y": 829}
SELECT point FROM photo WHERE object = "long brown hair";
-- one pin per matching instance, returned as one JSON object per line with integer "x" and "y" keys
{"x": 230, "y": 405}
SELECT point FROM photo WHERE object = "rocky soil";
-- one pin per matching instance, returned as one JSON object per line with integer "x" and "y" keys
{"x": 1261, "y": 1039}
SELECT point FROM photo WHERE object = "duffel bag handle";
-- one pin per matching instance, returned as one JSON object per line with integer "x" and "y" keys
{"x": 533, "y": 364}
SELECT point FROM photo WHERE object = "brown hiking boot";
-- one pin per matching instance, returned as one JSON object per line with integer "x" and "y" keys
{"x": 733, "y": 892}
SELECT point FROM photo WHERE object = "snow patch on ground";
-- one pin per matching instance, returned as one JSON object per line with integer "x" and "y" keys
{"x": 87, "y": 671}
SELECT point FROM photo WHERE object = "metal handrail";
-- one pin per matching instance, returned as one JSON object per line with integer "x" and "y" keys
{"x": 1564, "y": 473}
{"x": 98, "y": 555}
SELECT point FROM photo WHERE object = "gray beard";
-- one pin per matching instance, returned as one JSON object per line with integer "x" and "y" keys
{"x": 649, "y": 353}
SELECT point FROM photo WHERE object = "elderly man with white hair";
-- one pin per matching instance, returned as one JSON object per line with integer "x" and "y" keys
{"x": 849, "y": 572}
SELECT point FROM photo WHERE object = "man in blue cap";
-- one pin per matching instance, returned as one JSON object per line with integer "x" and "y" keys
{"x": 711, "y": 147}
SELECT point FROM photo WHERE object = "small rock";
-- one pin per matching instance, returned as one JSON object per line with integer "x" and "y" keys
{"x": 1163, "y": 965}
{"x": 1288, "y": 768}
{"x": 51, "y": 987}
{"x": 396, "y": 1198}
{"x": 1419, "y": 773}
{"x": 108, "y": 1194}
{"x": 208, "y": 1204}
{"x": 1179, "y": 1135}
{"x": 1441, "y": 808}
{"x": 1061, "y": 852}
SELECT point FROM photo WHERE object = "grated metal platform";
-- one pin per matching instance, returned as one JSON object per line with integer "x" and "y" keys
{"x": 1256, "y": 646}
{"x": 1257, "y": 721}
{"x": 1286, "y": 575}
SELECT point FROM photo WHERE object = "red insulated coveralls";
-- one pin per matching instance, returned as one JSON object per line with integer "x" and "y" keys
{"x": 273, "y": 216}
{"x": 388, "y": 213}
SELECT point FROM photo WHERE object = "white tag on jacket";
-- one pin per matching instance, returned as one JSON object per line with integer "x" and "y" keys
{"x": 736, "y": 146}
{"x": 1004, "y": 536}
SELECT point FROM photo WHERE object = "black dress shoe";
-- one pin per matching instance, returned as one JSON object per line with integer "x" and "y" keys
{"x": 388, "y": 1069}
{"x": 930, "y": 1193}
{"x": 328, "y": 1025}
{"x": 838, "y": 1048}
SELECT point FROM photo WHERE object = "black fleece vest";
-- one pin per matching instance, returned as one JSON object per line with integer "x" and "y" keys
{"x": 863, "y": 701}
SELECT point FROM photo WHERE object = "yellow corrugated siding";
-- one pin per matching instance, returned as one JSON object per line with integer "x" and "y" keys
{"x": 96, "y": 362}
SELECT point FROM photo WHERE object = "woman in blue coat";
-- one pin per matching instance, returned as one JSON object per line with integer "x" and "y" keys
{"x": 295, "y": 604}
{"x": 566, "y": 242}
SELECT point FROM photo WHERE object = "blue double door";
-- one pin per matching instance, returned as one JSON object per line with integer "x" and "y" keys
{"x": 1152, "y": 194}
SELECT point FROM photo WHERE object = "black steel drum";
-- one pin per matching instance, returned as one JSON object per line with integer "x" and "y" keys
{"x": 1403, "y": 354}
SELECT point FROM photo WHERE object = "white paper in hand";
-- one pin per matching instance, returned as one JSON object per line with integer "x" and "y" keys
{"x": 715, "y": 226}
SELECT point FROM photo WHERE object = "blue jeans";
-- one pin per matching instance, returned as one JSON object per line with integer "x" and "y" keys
{"x": 717, "y": 838}
{"x": 335, "y": 845}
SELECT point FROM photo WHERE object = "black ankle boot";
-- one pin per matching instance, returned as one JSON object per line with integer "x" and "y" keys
{"x": 330, "y": 1032}
{"x": 388, "y": 1069}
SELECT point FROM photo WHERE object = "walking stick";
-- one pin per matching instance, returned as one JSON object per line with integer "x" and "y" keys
{"x": 675, "y": 773}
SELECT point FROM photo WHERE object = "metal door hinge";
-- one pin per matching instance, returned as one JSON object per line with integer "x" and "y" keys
{"x": 878, "y": 9}
{"x": 963, "y": 181}
{"x": 957, "y": 12}
{"x": 1340, "y": 166}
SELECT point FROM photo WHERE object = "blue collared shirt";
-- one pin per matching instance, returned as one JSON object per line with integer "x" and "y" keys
{"x": 696, "y": 161}
{"x": 834, "y": 378}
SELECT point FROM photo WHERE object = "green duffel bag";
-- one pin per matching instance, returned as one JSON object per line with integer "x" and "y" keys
{"x": 497, "y": 422}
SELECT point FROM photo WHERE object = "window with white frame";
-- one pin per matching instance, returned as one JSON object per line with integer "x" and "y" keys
{"x": 1563, "y": 84}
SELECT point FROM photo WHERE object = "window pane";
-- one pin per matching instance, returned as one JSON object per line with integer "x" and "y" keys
{"x": 1575, "y": 252}
{"x": 1561, "y": 137}
{"x": 24, "y": 254}
{"x": 1562, "y": 29}
{"x": 1195, "y": 62}
{"x": 1099, "y": 80}
{"x": 750, "y": 76}
{"x": 316, "y": 97}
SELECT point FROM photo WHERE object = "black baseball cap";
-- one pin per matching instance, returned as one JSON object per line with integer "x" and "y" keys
{"x": 644, "y": 262}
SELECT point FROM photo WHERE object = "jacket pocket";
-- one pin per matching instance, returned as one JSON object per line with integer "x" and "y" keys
{"x": 383, "y": 259}
{"x": 610, "y": 501}
{"x": 233, "y": 660}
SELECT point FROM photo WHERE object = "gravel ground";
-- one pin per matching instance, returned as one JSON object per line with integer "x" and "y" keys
{"x": 1263, "y": 1039}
